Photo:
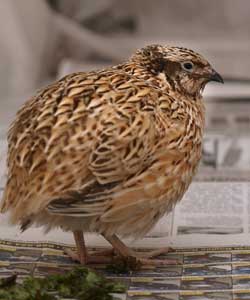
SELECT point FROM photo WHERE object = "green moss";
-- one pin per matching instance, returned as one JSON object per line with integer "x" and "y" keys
{"x": 124, "y": 265}
{"x": 80, "y": 284}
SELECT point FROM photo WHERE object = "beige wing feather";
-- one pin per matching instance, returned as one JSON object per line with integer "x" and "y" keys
{"x": 87, "y": 130}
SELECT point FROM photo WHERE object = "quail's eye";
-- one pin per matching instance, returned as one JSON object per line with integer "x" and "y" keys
{"x": 188, "y": 66}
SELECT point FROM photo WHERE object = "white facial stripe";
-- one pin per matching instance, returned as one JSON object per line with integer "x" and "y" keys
{"x": 162, "y": 76}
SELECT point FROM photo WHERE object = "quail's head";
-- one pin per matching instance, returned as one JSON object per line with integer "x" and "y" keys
{"x": 184, "y": 70}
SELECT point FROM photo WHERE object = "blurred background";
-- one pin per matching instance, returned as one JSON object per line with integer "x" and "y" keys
{"x": 41, "y": 41}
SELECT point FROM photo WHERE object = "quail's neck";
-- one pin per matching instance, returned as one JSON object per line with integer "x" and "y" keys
{"x": 158, "y": 81}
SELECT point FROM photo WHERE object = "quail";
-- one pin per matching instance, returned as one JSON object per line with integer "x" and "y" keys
{"x": 109, "y": 151}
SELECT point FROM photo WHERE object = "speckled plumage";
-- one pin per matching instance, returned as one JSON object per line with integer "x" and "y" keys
{"x": 109, "y": 151}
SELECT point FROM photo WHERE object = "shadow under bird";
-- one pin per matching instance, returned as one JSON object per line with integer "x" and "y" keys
{"x": 109, "y": 151}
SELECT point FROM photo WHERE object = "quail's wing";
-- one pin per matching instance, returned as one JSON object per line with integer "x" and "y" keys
{"x": 81, "y": 141}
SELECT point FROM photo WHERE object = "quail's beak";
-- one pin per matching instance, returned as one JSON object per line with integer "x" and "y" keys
{"x": 214, "y": 76}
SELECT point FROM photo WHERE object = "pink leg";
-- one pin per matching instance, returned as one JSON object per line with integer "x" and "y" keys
{"x": 81, "y": 254}
{"x": 141, "y": 258}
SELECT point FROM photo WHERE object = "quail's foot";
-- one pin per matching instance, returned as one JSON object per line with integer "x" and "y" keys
{"x": 135, "y": 259}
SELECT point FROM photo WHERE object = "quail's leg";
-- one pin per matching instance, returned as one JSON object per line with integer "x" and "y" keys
{"x": 82, "y": 255}
{"x": 141, "y": 258}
